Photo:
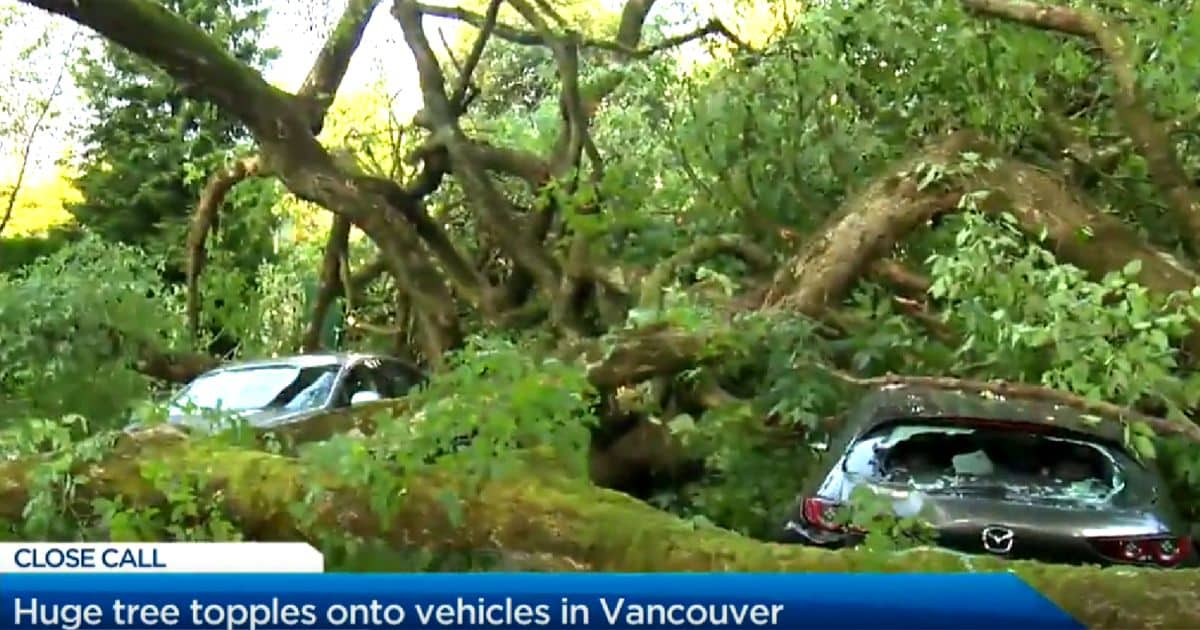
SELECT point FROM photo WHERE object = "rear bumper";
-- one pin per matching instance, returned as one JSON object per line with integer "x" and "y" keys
{"x": 798, "y": 533}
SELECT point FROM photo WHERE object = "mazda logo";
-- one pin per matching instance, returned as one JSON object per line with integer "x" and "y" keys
{"x": 998, "y": 539}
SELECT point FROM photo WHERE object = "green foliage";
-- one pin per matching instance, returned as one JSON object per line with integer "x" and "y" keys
{"x": 61, "y": 327}
{"x": 1027, "y": 316}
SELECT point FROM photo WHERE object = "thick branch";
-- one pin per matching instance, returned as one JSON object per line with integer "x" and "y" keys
{"x": 872, "y": 221}
{"x": 515, "y": 162}
{"x": 644, "y": 355}
{"x": 319, "y": 88}
{"x": 1162, "y": 427}
{"x": 1149, "y": 137}
{"x": 633, "y": 19}
{"x": 203, "y": 220}
{"x": 867, "y": 227}
{"x": 191, "y": 57}
{"x": 331, "y": 281}
{"x": 494, "y": 209}
{"x": 321, "y": 84}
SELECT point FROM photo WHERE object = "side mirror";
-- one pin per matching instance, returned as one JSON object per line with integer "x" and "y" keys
{"x": 364, "y": 397}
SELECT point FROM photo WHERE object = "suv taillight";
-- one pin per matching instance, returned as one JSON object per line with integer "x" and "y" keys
{"x": 1165, "y": 551}
{"x": 823, "y": 514}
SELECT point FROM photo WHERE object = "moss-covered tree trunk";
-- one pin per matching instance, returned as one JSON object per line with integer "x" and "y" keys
{"x": 538, "y": 511}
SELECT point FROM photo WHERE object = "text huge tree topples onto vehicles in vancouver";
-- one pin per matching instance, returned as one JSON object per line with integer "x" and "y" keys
{"x": 604, "y": 612}
{"x": 658, "y": 251}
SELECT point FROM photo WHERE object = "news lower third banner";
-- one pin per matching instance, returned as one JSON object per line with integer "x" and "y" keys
{"x": 176, "y": 588}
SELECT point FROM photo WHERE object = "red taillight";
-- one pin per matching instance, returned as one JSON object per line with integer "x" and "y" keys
{"x": 1166, "y": 551}
{"x": 824, "y": 514}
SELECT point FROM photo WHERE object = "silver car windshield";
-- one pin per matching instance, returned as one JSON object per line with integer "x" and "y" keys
{"x": 282, "y": 387}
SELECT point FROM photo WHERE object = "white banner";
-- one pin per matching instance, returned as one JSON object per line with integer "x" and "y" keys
{"x": 248, "y": 557}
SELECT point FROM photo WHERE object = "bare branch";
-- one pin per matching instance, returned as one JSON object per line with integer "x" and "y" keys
{"x": 470, "y": 283}
{"x": 33, "y": 132}
{"x": 501, "y": 30}
{"x": 459, "y": 96}
{"x": 494, "y": 209}
{"x": 1149, "y": 137}
{"x": 626, "y": 43}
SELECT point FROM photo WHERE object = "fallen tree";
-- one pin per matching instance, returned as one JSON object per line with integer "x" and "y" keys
{"x": 565, "y": 522}
{"x": 555, "y": 281}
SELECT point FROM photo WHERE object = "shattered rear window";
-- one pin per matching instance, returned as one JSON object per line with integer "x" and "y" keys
{"x": 988, "y": 458}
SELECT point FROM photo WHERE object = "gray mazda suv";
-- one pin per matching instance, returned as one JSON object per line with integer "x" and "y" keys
{"x": 989, "y": 475}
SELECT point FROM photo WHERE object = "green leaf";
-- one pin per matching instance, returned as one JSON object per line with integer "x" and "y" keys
{"x": 683, "y": 423}
{"x": 1132, "y": 268}
{"x": 1144, "y": 447}
{"x": 1141, "y": 428}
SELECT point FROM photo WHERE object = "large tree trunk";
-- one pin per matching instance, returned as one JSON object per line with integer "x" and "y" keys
{"x": 541, "y": 511}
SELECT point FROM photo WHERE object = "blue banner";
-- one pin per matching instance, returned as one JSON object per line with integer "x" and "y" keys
{"x": 544, "y": 600}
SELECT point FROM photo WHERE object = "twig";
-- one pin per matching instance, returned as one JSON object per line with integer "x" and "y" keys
{"x": 459, "y": 96}
{"x": 33, "y": 131}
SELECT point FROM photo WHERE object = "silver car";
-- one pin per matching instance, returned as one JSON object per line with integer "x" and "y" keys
{"x": 275, "y": 392}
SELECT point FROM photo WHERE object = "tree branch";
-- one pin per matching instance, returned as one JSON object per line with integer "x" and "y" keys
{"x": 202, "y": 223}
{"x": 321, "y": 85}
{"x": 1149, "y": 137}
{"x": 633, "y": 19}
{"x": 458, "y": 97}
{"x": 655, "y": 282}
{"x": 331, "y": 281}
{"x": 1162, "y": 427}
{"x": 643, "y": 355}
{"x": 33, "y": 131}
{"x": 184, "y": 51}
{"x": 495, "y": 211}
